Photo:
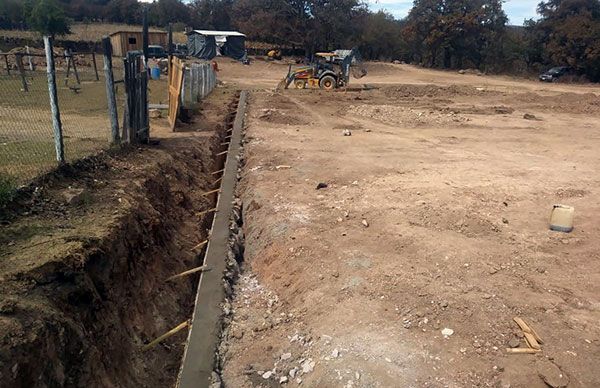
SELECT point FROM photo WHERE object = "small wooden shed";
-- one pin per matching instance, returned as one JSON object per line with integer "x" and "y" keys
{"x": 124, "y": 41}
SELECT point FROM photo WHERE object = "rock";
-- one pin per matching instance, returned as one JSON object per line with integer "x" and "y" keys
{"x": 528, "y": 116}
{"x": 335, "y": 353}
{"x": 74, "y": 197}
{"x": 504, "y": 221}
{"x": 514, "y": 343}
{"x": 367, "y": 130}
{"x": 321, "y": 185}
{"x": 267, "y": 375}
{"x": 365, "y": 223}
{"x": 286, "y": 356}
{"x": 357, "y": 375}
{"x": 444, "y": 304}
{"x": 387, "y": 359}
{"x": 154, "y": 113}
{"x": 292, "y": 372}
{"x": 447, "y": 332}
{"x": 283, "y": 380}
{"x": 552, "y": 375}
{"x": 396, "y": 62}
{"x": 346, "y": 132}
{"x": 308, "y": 366}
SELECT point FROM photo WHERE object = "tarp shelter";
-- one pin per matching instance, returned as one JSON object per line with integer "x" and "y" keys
{"x": 203, "y": 44}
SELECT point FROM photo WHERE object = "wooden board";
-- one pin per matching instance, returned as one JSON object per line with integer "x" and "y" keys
{"x": 176, "y": 70}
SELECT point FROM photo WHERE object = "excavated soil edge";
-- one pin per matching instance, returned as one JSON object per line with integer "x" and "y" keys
{"x": 82, "y": 280}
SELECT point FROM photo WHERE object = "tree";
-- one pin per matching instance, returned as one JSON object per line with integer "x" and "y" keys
{"x": 163, "y": 12}
{"x": 382, "y": 38}
{"x": 569, "y": 33}
{"x": 48, "y": 18}
{"x": 456, "y": 33}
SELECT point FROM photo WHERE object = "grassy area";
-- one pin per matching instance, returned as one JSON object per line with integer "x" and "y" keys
{"x": 89, "y": 32}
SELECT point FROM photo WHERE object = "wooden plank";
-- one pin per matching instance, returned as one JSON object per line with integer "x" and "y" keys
{"x": 175, "y": 84}
{"x": 52, "y": 90}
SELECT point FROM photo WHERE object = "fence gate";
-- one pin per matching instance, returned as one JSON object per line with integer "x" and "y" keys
{"x": 137, "y": 124}
{"x": 176, "y": 70}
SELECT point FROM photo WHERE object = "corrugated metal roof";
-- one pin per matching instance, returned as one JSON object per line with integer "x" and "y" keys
{"x": 218, "y": 33}
{"x": 136, "y": 32}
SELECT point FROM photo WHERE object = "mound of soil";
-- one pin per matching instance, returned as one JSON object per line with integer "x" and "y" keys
{"x": 431, "y": 91}
{"x": 278, "y": 116}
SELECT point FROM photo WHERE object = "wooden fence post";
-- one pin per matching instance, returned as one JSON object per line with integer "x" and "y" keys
{"x": 110, "y": 90}
{"x": 74, "y": 67}
{"x": 96, "y": 66}
{"x": 29, "y": 59}
{"x": 19, "y": 58}
{"x": 7, "y": 65}
{"x": 56, "y": 123}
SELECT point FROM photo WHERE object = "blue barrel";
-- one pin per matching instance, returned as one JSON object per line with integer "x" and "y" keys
{"x": 155, "y": 73}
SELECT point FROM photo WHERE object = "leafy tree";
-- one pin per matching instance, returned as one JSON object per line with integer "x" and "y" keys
{"x": 48, "y": 18}
{"x": 456, "y": 33}
{"x": 382, "y": 38}
{"x": 569, "y": 34}
{"x": 163, "y": 12}
{"x": 123, "y": 11}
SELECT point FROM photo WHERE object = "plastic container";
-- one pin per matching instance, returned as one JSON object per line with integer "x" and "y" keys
{"x": 155, "y": 73}
{"x": 561, "y": 218}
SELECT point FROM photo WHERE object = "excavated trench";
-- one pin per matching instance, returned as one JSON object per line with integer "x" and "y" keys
{"x": 83, "y": 283}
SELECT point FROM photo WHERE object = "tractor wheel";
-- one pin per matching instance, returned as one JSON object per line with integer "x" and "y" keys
{"x": 299, "y": 84}
{"x": 327, "y": 83}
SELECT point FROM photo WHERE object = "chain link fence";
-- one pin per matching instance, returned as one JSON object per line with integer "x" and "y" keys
{"x": 27, "y": 145}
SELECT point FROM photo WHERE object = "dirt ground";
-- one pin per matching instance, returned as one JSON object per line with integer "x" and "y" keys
{"x": 434, "y": 216}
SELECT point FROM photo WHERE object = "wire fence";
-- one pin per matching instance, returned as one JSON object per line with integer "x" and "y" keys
{"x": 26, "y": 133}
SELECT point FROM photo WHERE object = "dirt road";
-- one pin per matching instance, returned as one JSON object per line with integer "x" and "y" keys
{"x": 431, "y": 216}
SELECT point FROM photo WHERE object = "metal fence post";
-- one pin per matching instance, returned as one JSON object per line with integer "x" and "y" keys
{"x": 57, "y": 125}
{"x": 110, "y": 91}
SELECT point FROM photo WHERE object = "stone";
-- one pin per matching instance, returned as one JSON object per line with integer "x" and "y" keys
{"x": 444, "y": 304}
{"x": 552, "y": 375}
{"x": 504, "y": 221}
{"x": 267, "y": 375}
{"x": 286, "y": 356}
{"x": 74, "y": 197}
{"x": 346, "y": 132}
{"x": 335, "y": 353}
{"x": 365, "y": 223}
{"x": 321, "y": 185}
{"x": 514, "y": 343}
{"x": 292, "y": 372}
{"x": 528, "y": 116}
{"x": 308, "y": 366}
{"x": 283, "y": 380}
{"x": 447, "y": 332}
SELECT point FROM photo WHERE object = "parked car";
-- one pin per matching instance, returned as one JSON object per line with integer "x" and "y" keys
{"x": 554, "y": 74}
{"x": 155, "y": 51}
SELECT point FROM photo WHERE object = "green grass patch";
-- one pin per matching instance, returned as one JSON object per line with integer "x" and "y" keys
{"x": 8, "y": 188}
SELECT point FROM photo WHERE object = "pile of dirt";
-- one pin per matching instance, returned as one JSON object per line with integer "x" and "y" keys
{"x": 432, "y": 91}
{"x": 587, "y": 103}
{"x": 408, "y": 117}
{"x": 279, "y": 116}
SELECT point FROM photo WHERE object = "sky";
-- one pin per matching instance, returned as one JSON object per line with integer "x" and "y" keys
{"x": 517, "y": 10}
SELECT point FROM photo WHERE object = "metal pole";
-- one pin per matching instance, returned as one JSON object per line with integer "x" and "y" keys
{"x": 19, "y": 58}
{"x": 145, "y": 37}
{"x": 110, "y": 90}
{"x": 56, "y": 123}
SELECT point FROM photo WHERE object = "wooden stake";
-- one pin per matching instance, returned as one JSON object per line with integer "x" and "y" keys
{"x": 188, "y": 272}
{"x": 527, "y": 329}
{"x": 217, "y": 172}
{"x": 211, "y": 192}
{"x": 203, "y": 243}
{"x": 222, "y": 153}
{"x": 531, "y": 341}
{"x": 522, "y": 351}
{"x": 218, "y": 180}
{"x": 168, "y": 334}
{"x": 224, "y": 144}
{"x": 206, "y": 212}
